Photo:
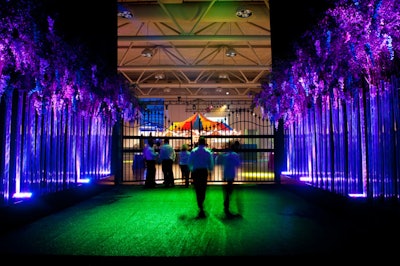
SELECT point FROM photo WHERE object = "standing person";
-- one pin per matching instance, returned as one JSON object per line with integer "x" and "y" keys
{"x": 150, "y": 158}
{"x": 167, "y": 157}
{"x": 201, "y": 163}
{"x": 183, "y": 163}
{"x": 230, "y": 161}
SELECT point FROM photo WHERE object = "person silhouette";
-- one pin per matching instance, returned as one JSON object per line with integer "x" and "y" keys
{"x": 150, "y": 156}
{"x": 230, "y": 161}
{"x": 201, "y": 163}
{"x": 167, "y": 157}
{"x": 183, "y": 163}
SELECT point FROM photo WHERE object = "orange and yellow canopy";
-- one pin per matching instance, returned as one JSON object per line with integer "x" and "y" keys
{"x": 198, "y": 122}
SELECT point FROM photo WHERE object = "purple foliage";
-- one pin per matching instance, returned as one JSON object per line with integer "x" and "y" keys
{"x": 56, "y": 74}
{"x": 356, "y": 43}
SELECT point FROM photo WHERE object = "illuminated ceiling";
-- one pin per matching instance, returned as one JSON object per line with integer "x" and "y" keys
{"x": 195, "y": 49}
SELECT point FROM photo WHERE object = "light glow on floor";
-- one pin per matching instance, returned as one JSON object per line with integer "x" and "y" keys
{"x": 84, "y": 180}
{"x": 357, "y": 195}
{"x": 22, "y": 195}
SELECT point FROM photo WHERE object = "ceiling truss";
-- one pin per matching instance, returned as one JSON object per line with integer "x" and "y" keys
{"x": 189, "y": 43}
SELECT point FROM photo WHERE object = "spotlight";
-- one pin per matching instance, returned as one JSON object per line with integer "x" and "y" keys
{"x": 230, "y": 52}
{"x": 125, "y": 14}
{"x": 159, "y": 76}
{"x": 223, "y": 75}
{"x": 147, "y": 52}
{"x": 243, "y": 12}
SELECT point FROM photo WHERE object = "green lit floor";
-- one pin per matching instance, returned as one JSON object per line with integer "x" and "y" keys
{"x": 131, "y": 222}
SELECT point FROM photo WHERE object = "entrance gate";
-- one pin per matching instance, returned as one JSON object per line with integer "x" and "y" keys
{"x": 255, "y": 135}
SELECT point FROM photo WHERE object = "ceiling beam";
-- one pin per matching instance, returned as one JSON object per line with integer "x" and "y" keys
{"x": 194, "y": 68}
{"x": 220, "y": 11}
{"x": 200, "y": 85}
{"x": 195, "y": 38}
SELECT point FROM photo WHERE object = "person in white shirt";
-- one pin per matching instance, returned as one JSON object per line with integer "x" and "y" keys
{"x": 201, "y": 163}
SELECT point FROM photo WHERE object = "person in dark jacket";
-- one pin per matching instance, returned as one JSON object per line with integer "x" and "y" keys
{"x": 150, "y": 157}
{"x": 167, "y": 157}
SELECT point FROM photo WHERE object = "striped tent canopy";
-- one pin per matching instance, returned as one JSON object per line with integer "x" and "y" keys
{"x": 199, "y": 122}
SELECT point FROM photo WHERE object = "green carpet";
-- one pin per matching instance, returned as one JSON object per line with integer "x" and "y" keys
{"x": 137, "y": 223}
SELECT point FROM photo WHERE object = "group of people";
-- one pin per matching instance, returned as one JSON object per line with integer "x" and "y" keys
{"x": 197, "y": 163}
{"x": 166, "y": 156}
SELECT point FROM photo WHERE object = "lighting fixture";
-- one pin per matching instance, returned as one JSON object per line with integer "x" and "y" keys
{"x": 230, "y": 52}
{"x": 125, "y": 14}
{"x": 147, "y": 52}
{"x": 223, "y": 75}
{"x": 243, "y": 12}
{"x": 159, "y": 76}
{"x": 21, "y": 195}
